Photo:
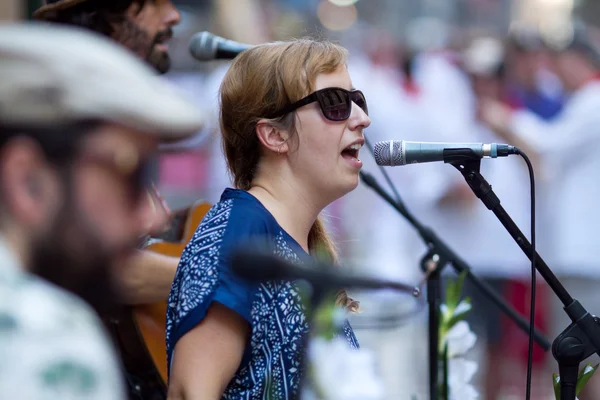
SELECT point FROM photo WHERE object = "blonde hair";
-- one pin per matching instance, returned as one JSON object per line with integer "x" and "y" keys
{"x": 261, "y": 81}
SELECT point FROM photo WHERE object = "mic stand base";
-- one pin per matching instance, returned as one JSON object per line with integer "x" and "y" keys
{"x": 573, "y": 346}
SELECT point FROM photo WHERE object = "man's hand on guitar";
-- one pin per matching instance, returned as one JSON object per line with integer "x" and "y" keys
{"x": 146, "y": 277}
{"x": 145, "y": 281}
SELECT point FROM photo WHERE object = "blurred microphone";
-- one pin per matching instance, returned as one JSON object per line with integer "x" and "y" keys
{"x": 400, "y": 152}
{"x": 205, "y": 46}
{"x": 262, "y": 266}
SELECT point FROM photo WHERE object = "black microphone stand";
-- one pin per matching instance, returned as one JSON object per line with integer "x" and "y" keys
{"x": 439, "y": 255}
{"x": 581, "y": 338}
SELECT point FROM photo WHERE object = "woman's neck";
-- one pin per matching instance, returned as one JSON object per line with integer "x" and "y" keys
{"x": 292, "y": 209}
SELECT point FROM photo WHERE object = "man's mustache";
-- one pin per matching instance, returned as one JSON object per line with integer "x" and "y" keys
{"x": 163, "y": 36}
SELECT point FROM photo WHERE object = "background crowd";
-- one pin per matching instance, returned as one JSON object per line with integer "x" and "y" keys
{"x": 521, "y": 71}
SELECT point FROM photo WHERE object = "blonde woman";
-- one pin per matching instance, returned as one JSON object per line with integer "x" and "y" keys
{"x": 292, "y": 126}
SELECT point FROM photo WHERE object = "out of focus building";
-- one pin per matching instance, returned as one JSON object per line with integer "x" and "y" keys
{"x": 589, "y": 11}
{"x": 11, "y": 10}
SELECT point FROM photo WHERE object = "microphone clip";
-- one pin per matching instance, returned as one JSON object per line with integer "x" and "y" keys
{"x": 469, "y": 168}
{"x": 460, "y": 155}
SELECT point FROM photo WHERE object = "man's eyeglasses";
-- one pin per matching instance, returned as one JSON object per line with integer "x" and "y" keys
{"x": 136, "y": 172}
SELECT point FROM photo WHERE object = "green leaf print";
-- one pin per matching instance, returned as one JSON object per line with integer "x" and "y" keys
{"x": 69, "y": 376}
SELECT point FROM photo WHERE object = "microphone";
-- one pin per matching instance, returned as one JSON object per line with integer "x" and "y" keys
{"x": 400, "y": 152}
{"x": 205, "y": 46}
{"x": 260, "y": 266}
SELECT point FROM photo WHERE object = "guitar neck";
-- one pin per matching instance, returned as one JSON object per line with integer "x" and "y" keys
{"x": 174, "y": 231}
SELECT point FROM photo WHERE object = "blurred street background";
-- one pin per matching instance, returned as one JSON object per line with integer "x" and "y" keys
{"x": 424, "y": 66}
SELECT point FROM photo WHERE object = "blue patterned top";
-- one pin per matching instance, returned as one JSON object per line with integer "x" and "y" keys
{"x": 271, "y": 361}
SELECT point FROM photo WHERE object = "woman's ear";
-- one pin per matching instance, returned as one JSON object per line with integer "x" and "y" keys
{"x": 272, "y": 137}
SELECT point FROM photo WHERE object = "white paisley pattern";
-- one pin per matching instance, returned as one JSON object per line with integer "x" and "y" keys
{"x": 197, "y": 273}
{"x": 271, "y": 369}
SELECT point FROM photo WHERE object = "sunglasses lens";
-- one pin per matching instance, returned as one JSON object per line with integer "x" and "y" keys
{"x": 335, "y": 104}
{"x": 141, "y": 179}
{"x": 359, "y": 98}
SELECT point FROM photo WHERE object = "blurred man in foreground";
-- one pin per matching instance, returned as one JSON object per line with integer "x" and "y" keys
{"x": 144, "y": 27}
{"x": 79, "y": 117}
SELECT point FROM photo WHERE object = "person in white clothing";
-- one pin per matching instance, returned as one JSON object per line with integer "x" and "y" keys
{"x": 565, "y": 152}
{"x": 413, "y": 104}
{"x": 494, "y": 255}
{"x": 79, "y": 118}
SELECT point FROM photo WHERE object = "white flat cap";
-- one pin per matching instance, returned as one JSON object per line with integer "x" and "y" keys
{"x": 53, "y": 74}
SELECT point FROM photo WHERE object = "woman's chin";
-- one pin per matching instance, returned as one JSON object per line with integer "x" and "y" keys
{"x": 333, "y": 190}
{"x": 350, "y": 184}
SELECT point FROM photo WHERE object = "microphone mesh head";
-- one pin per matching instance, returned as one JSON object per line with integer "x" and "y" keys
{"x": 203, "y": 46}
{"x": 389, "y": 153}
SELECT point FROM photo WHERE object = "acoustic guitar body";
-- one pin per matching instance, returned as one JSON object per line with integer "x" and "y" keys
{"x": 139, "y": 331}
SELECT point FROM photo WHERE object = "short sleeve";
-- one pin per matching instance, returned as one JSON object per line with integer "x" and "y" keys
{"x": 204, "y": 275}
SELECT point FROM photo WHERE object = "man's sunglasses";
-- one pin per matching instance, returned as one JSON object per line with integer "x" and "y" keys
{"x": 137, "y": 177}
{"x": 335, "y": 103}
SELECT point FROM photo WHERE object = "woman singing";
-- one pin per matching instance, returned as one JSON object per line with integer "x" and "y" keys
{"x": 292, "y": 127}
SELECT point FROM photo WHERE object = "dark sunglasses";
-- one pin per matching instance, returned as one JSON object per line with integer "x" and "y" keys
{"x": 137, "y": 178}
{"x": 335, "y": 103}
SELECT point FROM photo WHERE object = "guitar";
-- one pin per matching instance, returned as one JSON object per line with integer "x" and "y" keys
{"x": 139, "y": 331}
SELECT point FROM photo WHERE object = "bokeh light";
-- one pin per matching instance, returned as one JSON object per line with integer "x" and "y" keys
{"x": 335, "y": 17}
{"x": 342, "y": 3}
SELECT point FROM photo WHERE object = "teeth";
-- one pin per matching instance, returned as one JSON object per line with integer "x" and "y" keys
{"x": 355, "y": 146}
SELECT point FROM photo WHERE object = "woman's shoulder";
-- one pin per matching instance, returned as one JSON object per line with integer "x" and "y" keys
{"x": 240, "y": 220}
{"x": 237, "y": 217}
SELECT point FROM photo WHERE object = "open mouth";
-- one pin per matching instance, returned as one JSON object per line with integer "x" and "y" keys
{"x": 163, "y": 37}
{"x": 351, "y": 151}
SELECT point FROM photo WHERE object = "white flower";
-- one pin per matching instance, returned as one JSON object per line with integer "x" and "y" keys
{"x": 342, "y": 373}
{"x": 460, "y": 372}
{"x": 444, "y": 309}
{"x": 463, "y": 306}
{"x": 460, "y": 339}
{"x": 465, "y": 392}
